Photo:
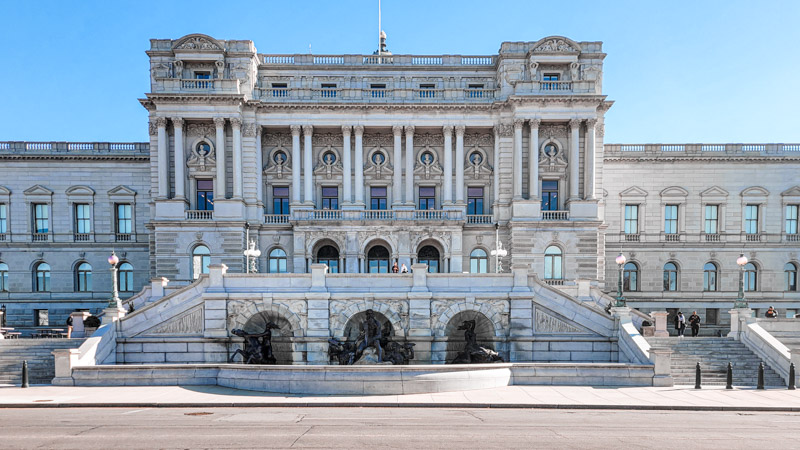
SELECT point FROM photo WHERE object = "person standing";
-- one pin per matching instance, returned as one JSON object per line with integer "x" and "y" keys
{"x": 395, "y": 269}
{"x": 680, "y": 324}
{"x": 771, "y": 313}
{"x": 69, "y": 326}
{"x": 694, "y": 321}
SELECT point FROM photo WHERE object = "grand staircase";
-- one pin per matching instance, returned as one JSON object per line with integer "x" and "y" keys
{"x": 713, "y": 354}
{"x": 38, "y": 353}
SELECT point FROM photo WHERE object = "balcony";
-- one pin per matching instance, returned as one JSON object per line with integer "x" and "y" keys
{"x": 199, "y": 215}
{"x": 671, "y": 237}
{"x": 480, "y": 219}
{"x": 789, "y": 238}
{"x": 82, "y": 237}
{"x": 632, "y": 237}
{"x": 276, "y": 219}
{"x": 560, "y": 86}
{"x": 555, "y": 215}
{"x": 194, "y": 86}
{"x": 715, "y": 237}
{"x": 752, "y": 237}
{"x": 124, "y": 237}
{"x": 427, "y": 215}
{"x": 40, "y": 237}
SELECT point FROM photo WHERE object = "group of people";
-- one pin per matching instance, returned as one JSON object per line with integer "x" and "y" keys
{"x": 402, "y": 269}
{"x": 694, "y": 321}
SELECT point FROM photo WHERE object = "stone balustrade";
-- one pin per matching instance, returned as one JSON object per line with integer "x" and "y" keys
{"x": 387, "y": 215}
{"x": 88, "y": 148}
{"x": 705, "y": 150}
{"x": 368, "y": 60}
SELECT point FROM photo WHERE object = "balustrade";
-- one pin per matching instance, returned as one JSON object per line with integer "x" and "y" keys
{"x": 124, "y": 237}
{"x": 197, "y": 84}
{"x": 3, "y": 237}
{"x": 199, "y": 215}
{"x": 712, "y": 237}
{"x": 83, "y": 237}
{"x": 789, "y": 238}
{"x": 670, "y": 237}
{"x": 387, "y": 215}
{"x": 555, "y": 86}
{"x": 631, "y": 238}
{"x": 40, "y": 237}
{"x": 276, "y": 219}
{"x": 555, "y": 215}
{"x": 480, "y": 219}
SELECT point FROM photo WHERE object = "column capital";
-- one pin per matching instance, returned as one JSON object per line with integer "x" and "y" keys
{"x": 161, "y": 122}
{"x": 397, "y": 130}
{"x": 358, "y": 129}
{"x": 574, "y": 124}
{"x": 295, "y": 130}
{"x": 346, "y": 130}
{"x": 259, "y": 129}
{"x": 409, "y": 130}
{"x": 236, "y": 122}
{"x": 308, "y": 130}
{"x": 460, "y": 129}
{"x": 219, "y": 122}
{"x": 447, "y": 130}
{"x": 590, "y": 123}
{"x": 535, "y": 122}
{"x": 177, "y": 122}
{"x": 518, "y": 123}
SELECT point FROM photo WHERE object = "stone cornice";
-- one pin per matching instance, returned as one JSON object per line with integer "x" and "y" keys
{"x": 40, "y": 156}
{"x": 718, "y": 159}
{"x": 233, "y": 99}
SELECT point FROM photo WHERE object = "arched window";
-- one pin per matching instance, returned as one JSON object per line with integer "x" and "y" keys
{"x": 277, "y": 261}
{"x": 329, "y": 255}
{"x": 552, "y": 263}
{"x": 201, "y": 258}
{"x": 630, "y": 277}
{"x": 43, "y": 277}
{"x": 3, "y": 277}
{"x": 125, "y": 274}
{"x": 478, "y": 261}
{"x": 750, "y": 277}
{"x": 378, "y": 260}
{"x": 429, "y": 255}
{"x": 670, "y": 277}
{"x": 84, "y": 277}
{"x": 790, "y": 274}
{"x": 710, "y": 277}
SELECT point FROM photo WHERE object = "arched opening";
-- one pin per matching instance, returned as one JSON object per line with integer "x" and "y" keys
{"x": 478, "y": 261}
{"x": 277, "y": 261}
{"x": 429, "y": 255}
{"x": 84, "y": 277}
{"x": 378, "y": 259}
{"x": 353, "y": 326}
{"x": 670, "y": 277}
{"x": 553, "y": 267}
{"x": 790, "y": 275}
{"x": 201, "y": 258}
{"x": 630, "y": 277}
{"x": 328, "y": 255}
{"x": 710, "y": 277}
{"x": 750, "y": 277}
{"x": 484, "y": 333}
{"x": 281, "y": 336}
{"x": 42, "y": 281}
{"x": 125, "y": 275}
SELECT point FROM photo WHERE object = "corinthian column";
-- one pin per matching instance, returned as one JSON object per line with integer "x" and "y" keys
{"x": 590, "y": 151}
{"x": 574, "y": 159}
{"x": 397, "y": 175}
{"x": 518, "y": 159}
{"x": 219, "y": 123}
{"x": 308, "y": 173}
{"x": 180, "y": 163}
{"x": 236, "y": 124}
{"x": 448, "y": 164}
{"x": 295, "y": 163}
{"x": 259, "y": 167}
{"x": 348, "y": 173}
{"x": 460, "y": 163}
{"x": 359, "y": 162}
{"x": 163, "y": 159}
{"x": 533, "y": 158}
{"x": 409, "y": 164}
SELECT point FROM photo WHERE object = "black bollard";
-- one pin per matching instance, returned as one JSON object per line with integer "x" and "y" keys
{"x": 697, "y": 376}
{"x": 760, "y": 376}
{"x": 791, "y": 376}
{"x": 729, "y": 377}
{"x": 24, "y": 374}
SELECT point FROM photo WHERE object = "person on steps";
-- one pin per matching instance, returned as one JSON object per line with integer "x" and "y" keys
{"x": 694, "y": 321}
{"x": 680, "y": 324}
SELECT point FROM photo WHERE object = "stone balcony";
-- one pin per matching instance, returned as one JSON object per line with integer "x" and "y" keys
{"x": 196, "y": 86}
{"x": 389, "y": 216}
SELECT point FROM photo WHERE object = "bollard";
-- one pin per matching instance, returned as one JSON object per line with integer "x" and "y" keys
{"x": 791, "y": 376}
{"x": 24, "y": 374}
{"x": 729, "y": 377}
{"x": 760, "y": 376}
{"x": 697, "y": 376}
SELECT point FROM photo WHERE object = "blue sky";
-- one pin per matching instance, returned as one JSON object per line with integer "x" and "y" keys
{"x": 679, "y": 71}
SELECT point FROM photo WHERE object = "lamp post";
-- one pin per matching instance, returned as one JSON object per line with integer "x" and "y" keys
{"x": 741, "y": 302}
{"x": 621, "y": 264}
{"x": 499, "y": 251}
{"x": 252, "y": 254}
{"x": 114, "y": 302}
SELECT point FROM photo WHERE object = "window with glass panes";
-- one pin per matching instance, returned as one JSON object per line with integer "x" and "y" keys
{"x": 670, "y": 277}
{"x": 378, "y": 260}
{"x": 280, "y": 200}
{"x": 711, "y": 224}
{"x": 474, "y": 200}
{"x": 790, "y": 275}
{"x": 42, "y": 277}
{"x": 330, "y": 198}
{"x": 671, "y": 219}
{"x": 41, "y": 218}
{"x": 329, "y": 255}
{"x": 630, "y": 277}
{"x": 427, "y": 197}
{"x": 377, "y": 196}
{"x": 791, "y": 219}
{"x": 631, "y": 219}
{"x": 277, "y": 261}
{"x": 84, "y": 277}
{"x": 478, "y": 261}
{"x": 205, "y": 195}
{"x": 124, "y": 222}
{"x": 751, "y": 219}
{"x": 750, "y": 277}
{"x": 83, "y": 218}
{"x": 710, "y": 277}
{"x": 549, "y": 195}
{"x": 3, "y": 218}
{"x": 3, "y": 277}
{"x": 125, "y": 275}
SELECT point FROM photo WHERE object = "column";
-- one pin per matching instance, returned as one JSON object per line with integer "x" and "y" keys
{"x": 574, "y": 159}
{"x": 589, "y": 176}
{"x": 259, "y": 168}
{"x": 163, "y": 158}
{"x": 518, "y": 159}
{"x": 359, "y": 130}
{"x": 180, "y": 163}
{"x": 219, "y": 123}
{"x": 308, "y": 173}
{"x": 348, "y": 173}
{"x": 409, "y": 164}
{"x": 460, "y": 163}
{"x": 397, "y": 175}
{"x": 295, "y": 163}
{"x": 496, "y": 178}
{"x": 447, "y": 192}
{"x": 236, "y": 124}
{"x": 533, "y": 159}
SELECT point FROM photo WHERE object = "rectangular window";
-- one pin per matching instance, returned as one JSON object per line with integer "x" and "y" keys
{"x": 41, "y": 218}
{"x": 280, "y": 89}
{"x": 550, "y": 77}
{"x": 330, "y": 198}
{"x": 427, "y": 90}
{"x": 83, "y": 218}
{"x": 205, "y": 195}
{"x": 427, "y": 198}
{"x": 711, "y": 225}
{"x": 671, "y": 219}
{"x": 280, "y": 200}
{"x": 202, "y": 75}
{"x": 378, "y": 90}
{"x": 474, "y": 200}
{"x": 631, "y": 219}
{"x": 328, "y": 90}
{"x": 3, "y": 218}
{"x": 791, "y": 219}
{"x": 124, "y": 223}
{"x": 751, "y": 219}
{"x": 550, "y": 81}
{"x": 475, "y": 91}
{"x": 377, "y": 197}
{"x": 549, "y": 195}
{"x": 41, "y": 318}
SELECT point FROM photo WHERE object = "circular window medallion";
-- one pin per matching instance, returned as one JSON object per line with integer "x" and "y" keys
{"x": 203, "y": 149}
{"x": 550, "y": 150}
{"x": 426, "y": 158}
{"x": 475, "y": 158}
{"x": 279, "y": 157}
{"x": 378, "y": 158}
{"x": 329, "y": 158}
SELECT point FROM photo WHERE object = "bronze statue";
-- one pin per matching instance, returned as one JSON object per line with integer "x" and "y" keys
{"x": 474, "y": 353}
{"x": 371, "y": 335}
{"x": 257, "y": 347}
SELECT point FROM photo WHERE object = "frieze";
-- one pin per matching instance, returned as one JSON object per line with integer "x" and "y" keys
{"x": 552, "y": 130}
{"x": 545, "y": 323}
{"x": 201, "y": 129}
{"x": 428, "y": 139}
{"x": 188, "y": 323}
{"x": 479, "y": 139}
{"x": 277, "y": 140}
{"x": 378, "y": 140}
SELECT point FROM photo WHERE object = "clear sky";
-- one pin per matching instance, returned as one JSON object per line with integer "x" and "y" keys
{"x": 679, "y": 71}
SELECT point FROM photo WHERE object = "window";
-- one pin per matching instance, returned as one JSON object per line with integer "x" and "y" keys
{"x": 378, "y": 260}
{"x": 84, "y": 277}
{"x": 205, "y": 195}
{"x": 670, "y": 277}
{"x": 750, "y": 277}
{"x": 280, "y": 200}
{"x": 330, "y": 198}
{"x": 630, "y": 277}
{"x": 631, "y": 219}
{"x": 549, "y": 195}
{"x": 41, "y": 218}
{"x": 378, "y": 90}
{"x": 41, "y": 318}
{"x": 475, "y": 91}
{"x": 710, "y": 277}
{"x": 429, "y": 255}
{"x": 377, "y": 197}
{"x": 478, "y": 261}
{"x": 3, "y": 218}
{"x": 42, "y": 282}
{"x": 712, "y": 316}
{"x": 791, "y": 219}
{"x": 751, "y": 219}
{"x": 790, "y": 275}
{"x": 550, "y": 77}
{"x": 711, "y": 224}
{"x": 201, "y": 258}
{"x": 3, "y": 277}
{"x": 277, "y": 261}
{"x": 125, "y": 275}
{"x": 671, "y": 219}
{"x": 427, "y": 198}
{"x": 124, "y": 223}
{"x": 202, "y": 75}
{"x": 329, "y": 256}
{"x": 83, "y": 218}
{"x": 552, "y": 263}
{"x": 427, "y": 90}
{"x": 550, "y": 81}
{"x": 475, "y": 200}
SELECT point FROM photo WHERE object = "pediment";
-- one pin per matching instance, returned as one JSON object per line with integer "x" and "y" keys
{"x": 674, "y": 191}
{"x": 714, "y": 191}
{"x": 634, "y": 191}
{"x": 5, "y": 191}
{"x": 38, "y": 190}
{"x": 755, "y": 191}
{"x": 121, "y": 190}
{"x": 80, "y": 190}
{"x": 198, "y": 42}
{"x": 791, "y": 192}
{"x": 556, "y": 44}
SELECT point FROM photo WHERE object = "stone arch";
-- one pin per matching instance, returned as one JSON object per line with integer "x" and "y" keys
{"x": 486, "y": 309}
{"x": 484, "y": 331}
{"x": 316, "y": 244}
{"x": 429, "y": 239}
{"x": 281, "y": 337}
{"x": 352, "y": 326}
{"x": 339, "y": 322}
{"x": 375, "y": 240}
{"x": 243, "y": 310}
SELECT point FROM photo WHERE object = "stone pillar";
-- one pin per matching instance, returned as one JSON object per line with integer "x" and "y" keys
{"x": 496, "y": 178}
{"x": 236, "y": 125}
{"x": 78, "y": 331}
{"x": 163, "y": 159}
{"x": 739, "y": 321}
{"x": 359, "y": 163}
{"x": 318, "y": 272}
{"x": 660, "y": 318}
{"x": 447, "y": 191}
{"x": 574, "y": 159}
{"x": 347, "y": 193}
{"x": 259, "y": 169}
{"x": 589, "y": 174}
{"x": 517, "y": 176}
{"x": 180, "y": 163}
{"x": 397, "y": 175}
{"x": 409, "y": 165}
{"x": 533, "y": 159}
{"x": 308, "y": 161}
{"x": 219, "y": 194}
{"x": 295, "y": 163}
{"x": 65, "y": 359}
{"x": 661, "y": 357}
{"x": 520, "y": 272}
{"x": 420, "y": 277}
{"x": 460, "y": 164}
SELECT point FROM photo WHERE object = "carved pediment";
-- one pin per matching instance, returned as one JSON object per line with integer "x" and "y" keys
{"x": 556, "y": 44}
{"x": 5, "y": 191}
{"x": 121, "y": 190}
{"x": 80, "y": 190}
{"x": 674, "y": 191}
{"x": 38, "y": 190}
{"x": 199, "y": 42}
{"x": 791, "y": 192}
{"x": 755, "y": 191}
{"x": 634, "y": 191}
{"x": 188, "y": 323}
{"x": 714, "y": 191}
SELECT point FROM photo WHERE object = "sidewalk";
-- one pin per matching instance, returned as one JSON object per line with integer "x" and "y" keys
{"x": 712, "y": 398}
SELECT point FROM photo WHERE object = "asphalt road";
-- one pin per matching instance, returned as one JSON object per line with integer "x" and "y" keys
{"x": 107, "y": 428}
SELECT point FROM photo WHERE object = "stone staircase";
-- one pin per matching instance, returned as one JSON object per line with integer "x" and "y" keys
{"x": 713, "y": 354}
{"x": 38, "y": 353}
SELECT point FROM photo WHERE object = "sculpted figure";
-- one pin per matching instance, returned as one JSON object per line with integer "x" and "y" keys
{"x": 370, "y": 336}
{"x": 257, "y": 347}
{"x": 473, "y": 353}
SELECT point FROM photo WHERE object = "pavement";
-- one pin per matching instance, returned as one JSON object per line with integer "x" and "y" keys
{"x": 678, "y": 398}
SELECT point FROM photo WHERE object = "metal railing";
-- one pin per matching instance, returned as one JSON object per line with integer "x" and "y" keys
{"x": 196, "y": 214}
{"x": 555, "y": 215}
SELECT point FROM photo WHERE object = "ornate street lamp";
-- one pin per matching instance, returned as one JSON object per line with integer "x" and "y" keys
{"x": 113, "y": 260}
{"x": 499, "y": 251}
{"x": 252, "y": 254}
{"x": 741, "y": 302}
{"x": 621, "y": 264}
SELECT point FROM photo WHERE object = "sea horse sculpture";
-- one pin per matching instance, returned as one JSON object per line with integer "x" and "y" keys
{"x": 474, "y": 353}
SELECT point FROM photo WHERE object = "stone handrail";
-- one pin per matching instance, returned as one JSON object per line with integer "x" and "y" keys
{"x": 468, "y": 61}
{"x": 88, "y": 148}
{"x": 767, "y": 347}
{"x": 100, "y": 348}
{"x": 638, "y": 351}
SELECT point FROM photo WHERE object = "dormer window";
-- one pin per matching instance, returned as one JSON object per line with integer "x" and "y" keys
{"x": 202, "y": 75}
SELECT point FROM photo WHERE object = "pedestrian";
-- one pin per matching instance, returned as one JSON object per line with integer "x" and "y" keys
{"x": 69, "y": 326}
{"x": 771, "y": 313}
{"x": 694, "y": 321}
{"x": 680, "y": 324}
{"x": 394, "y": 268}
{"x": 404, "y": 269}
